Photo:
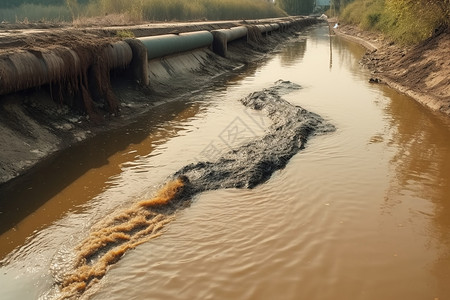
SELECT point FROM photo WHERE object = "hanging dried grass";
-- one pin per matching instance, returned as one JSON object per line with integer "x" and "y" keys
{"x": 139, "y": 63}
{"x": 7, "y": 75}
{"x": 27, "y": 71}
{"x": 113, "y": 56}
{"x": 254, "y": 34}
{"x": 70, "y": 70}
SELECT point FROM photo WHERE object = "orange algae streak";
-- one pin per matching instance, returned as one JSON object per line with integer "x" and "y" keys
{"x": 167, "y": 193}
{"x": 113, "y": 236}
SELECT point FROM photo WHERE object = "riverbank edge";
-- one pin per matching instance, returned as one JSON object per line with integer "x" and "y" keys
{"x": 378, "y": 45}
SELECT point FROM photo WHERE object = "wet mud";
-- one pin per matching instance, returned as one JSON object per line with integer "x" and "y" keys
{"x": 246, "y": 166}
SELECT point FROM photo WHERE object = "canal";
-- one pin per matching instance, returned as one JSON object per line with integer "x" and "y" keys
{"x": 362, "y": 212}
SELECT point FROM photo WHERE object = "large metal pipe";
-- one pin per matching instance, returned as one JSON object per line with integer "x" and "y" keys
{"x": 162, "y": 45}
{"x": 139, "y": 63}
{"x": 275, "y": 26}
{"x": 27, "y": 69}
{"x": 235, "y": 33}
{"x": 223, "y": 36}
{"x": 118, "y": 55}
{"x": 264, "y": 28}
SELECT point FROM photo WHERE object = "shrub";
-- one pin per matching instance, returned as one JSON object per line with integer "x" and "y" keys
{"x": 373, "y": 19}
{"x": 125, "y": 34}
{"x": 413, "y": 21}
{"x": 406, "y": 21}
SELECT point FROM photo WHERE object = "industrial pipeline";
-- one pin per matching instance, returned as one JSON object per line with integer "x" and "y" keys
{"x": 83, "y": 72}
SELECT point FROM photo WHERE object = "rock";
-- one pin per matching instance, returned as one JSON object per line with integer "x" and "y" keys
{"x": 375, "y": 80}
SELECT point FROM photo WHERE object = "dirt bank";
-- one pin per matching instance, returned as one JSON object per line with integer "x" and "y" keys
{"x": 38, "y": 122}
{"x": 421, "y": 71}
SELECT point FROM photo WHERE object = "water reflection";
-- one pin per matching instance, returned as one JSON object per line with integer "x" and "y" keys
{"x": 421, "y": 142}
{"x": 346, "y": 52}
{"x": 293, "y": 53}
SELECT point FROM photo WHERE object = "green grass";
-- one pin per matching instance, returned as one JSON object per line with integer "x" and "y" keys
{"x": 364, "y": 13}
{"x": 125, "y": 34}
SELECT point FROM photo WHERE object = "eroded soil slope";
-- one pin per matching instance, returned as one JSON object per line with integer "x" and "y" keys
{"x": 421, "y": 71}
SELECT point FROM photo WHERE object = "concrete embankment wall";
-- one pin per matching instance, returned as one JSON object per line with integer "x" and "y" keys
{"x": 58, "y": 96}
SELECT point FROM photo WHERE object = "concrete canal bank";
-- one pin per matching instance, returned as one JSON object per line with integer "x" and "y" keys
{"x": 63, "y": 86}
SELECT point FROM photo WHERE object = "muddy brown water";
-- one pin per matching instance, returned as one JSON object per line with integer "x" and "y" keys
{"x": 360, "y": 213}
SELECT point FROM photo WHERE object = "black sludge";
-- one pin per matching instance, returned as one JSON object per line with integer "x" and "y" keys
{"x": 253, "y": 163}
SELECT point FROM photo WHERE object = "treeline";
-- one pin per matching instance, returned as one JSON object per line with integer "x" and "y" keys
{"x": 407, "y": 21}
